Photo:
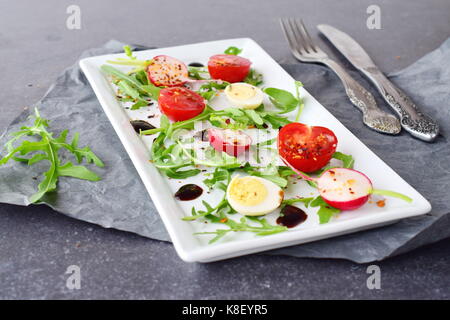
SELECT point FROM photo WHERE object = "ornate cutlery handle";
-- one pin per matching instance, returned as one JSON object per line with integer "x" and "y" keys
{"x": 373, "y": 117}
{"x": 412, "y": 120}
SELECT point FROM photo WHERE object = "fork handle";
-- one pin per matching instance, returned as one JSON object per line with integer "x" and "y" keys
{"x": 359, "y": 97}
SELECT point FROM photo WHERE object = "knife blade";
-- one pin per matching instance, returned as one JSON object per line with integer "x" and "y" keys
{"x": 412, "y": 119}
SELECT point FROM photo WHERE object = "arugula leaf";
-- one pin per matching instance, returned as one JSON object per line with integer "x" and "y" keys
{"x": 262, "y": 229}
{"x": 241, "y": 119}
{"x": 257, "y": 117}
{"x": 182, "y": 124}
{"x": 131, "y": 61}
{"x": 306, "y": 201}
{"x": 144, "y": 91}
{"x": 223, "y": 123}
{"x": 141, "y": 76}
{"x": 254, "y": 116}
{"x": 209, "y": 210}
{"x": 47, "y": 149}
{"x": 325, "y": 212}
{"x": 254, "y": 78}
{"x": 152, "y": 91}
{"x": 282, "y": 99}
{"x": 218, "y": 175}
{"x": 233, "y": 51}
{"x": 347, "y": 162}
{"x": 139, "y": 104}
{"x": 286, "y": 101}
{"x": 213, "y": 158}
{"x": 80, "y": 172}
{"x": 210, "y": 89}
{"x": 198, "y": 73}
{"x": 128, "y": 52}
{"x": 128, "y": 90}
{"x": 175, "y": 173}
{"x": 266, "y": 143}
{"x": 270, "y": 173}
{"x": 347, "y": 159}
{"x": 275, "y": 120}
{"x": 164, "y": 122}
{"x": 301, "y": 102}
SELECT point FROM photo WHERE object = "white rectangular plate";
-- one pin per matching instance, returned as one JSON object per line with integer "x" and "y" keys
{"x": 192, "y": 247}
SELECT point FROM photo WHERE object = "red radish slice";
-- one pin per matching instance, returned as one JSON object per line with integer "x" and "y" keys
{"x": 167, "y": 71}
{"x": 232, "y": 142}
{"x": 344, "y": 189}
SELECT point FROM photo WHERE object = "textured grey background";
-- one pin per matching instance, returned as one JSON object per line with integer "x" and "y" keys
{"x": 36, "y": 245}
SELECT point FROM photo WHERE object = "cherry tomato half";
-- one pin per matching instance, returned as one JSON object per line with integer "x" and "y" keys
{"x": 167, "y": 71}
{"x": 179, "y": 103}
{"x": 306, "y": 148}
{"x": 228, "y": 67}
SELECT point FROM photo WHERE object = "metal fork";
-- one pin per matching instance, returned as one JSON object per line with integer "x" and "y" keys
{"x": 304, "y": 50}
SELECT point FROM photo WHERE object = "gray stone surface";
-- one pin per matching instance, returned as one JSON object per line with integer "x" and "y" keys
{"x": 37, "y": 244}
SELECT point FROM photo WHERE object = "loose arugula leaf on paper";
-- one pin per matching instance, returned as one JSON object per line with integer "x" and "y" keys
{"x": 47, "y": 148}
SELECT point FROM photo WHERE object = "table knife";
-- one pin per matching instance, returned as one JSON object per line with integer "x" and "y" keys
{"x": 412, "y": 119}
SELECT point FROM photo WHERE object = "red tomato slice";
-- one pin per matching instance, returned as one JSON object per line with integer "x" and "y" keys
{"x": 306, "y": 148}
{"x": 228, "y": 67}
{"x": 180, "y": 103}
{"x": 232, "y": 142}
{"x": 167, "y": 71}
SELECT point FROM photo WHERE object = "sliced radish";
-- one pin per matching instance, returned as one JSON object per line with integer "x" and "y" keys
{"x": 230, "y": 141}
{"x": 344, "y": 189}
{"x": 167, "y": 71}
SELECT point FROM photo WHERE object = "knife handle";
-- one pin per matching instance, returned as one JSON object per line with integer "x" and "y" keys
{"x": 412, "y": 120}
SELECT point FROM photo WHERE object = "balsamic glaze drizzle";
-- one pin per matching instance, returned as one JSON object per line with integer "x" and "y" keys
{"x": 291, "y": 216}
{"x": 188, "y": 192}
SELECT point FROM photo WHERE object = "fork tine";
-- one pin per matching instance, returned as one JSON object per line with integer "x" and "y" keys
{"x": 306, "y": 35}
{"x": 301, "y": 41}
{"x": 287, "y": 35}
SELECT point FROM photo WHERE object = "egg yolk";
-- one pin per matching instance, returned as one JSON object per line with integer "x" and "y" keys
{"x": 248, "y": 191}
{"x": 241, "y": 92}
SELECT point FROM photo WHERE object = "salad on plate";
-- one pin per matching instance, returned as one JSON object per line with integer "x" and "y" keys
{"x": 246, "y": 141}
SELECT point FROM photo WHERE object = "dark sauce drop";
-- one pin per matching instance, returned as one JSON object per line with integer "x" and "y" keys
{"x": 188, "y": 192}
{"x": 196, "y": 64}
{"x": 291, "y": 216}
{"x": 141, "y": 125}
